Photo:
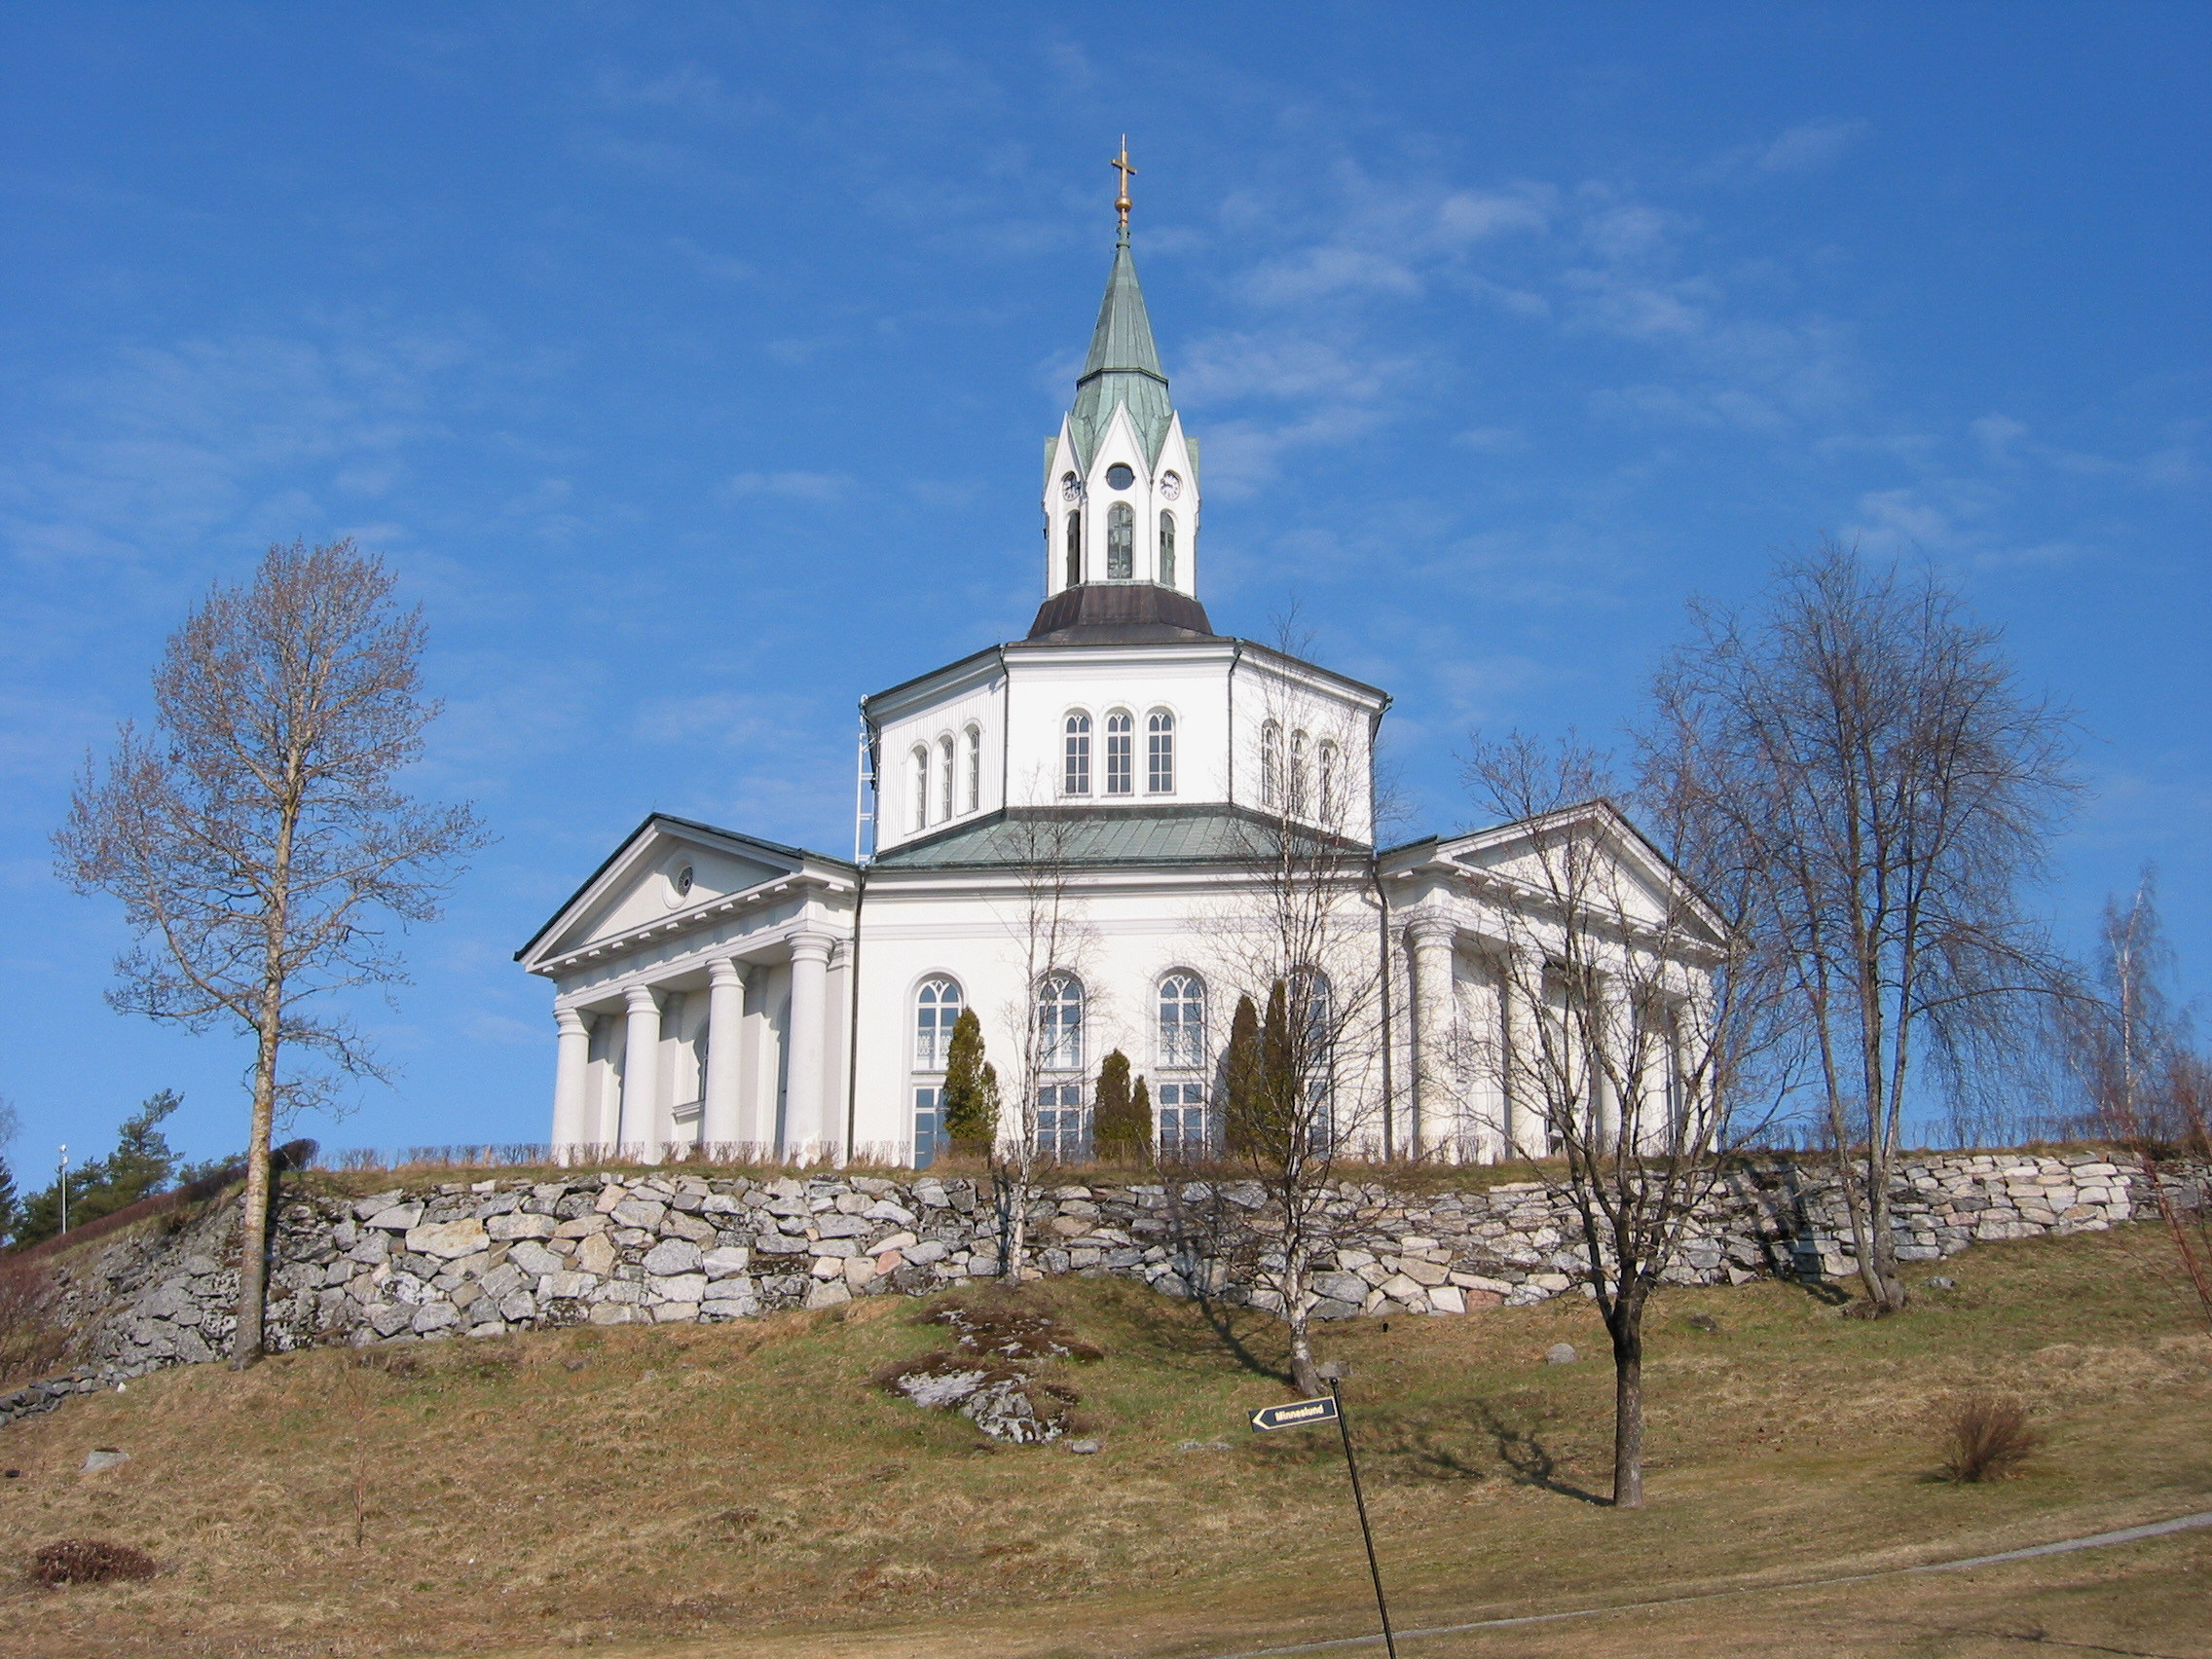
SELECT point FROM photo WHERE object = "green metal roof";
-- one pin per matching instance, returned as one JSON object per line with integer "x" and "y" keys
{"x": 1122, "y": 368}
{"x": 1090, "y": 837}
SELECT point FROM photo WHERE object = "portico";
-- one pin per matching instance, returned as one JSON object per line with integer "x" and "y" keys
{"x": 698, "y": 999}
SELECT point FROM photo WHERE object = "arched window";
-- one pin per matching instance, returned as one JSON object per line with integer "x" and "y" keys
{"x": 1075, "y": 772}
{"x": 1121, "y": 542}
{"x": 1166, "y": 549}
{"x": 944, "y": 773}
{"x": 1075, "y": 548}
{"x": 1298, "y": 779}
{"x": 1180, "y": 1091}
{"x": 1059, "y": 1022}
{"x": 1182, "y": 1022}
{"x": 975, "y": 797}
{"x": 1063, "y": 1119}
{"x": 1160, "y": 752}
{"x": 920, "y": 785}
{"x": 1331, "y": 764}
{"x": 1271, "y": 764}
{"x": 1120, "y": 742}
{"x": 937, "y": 1010}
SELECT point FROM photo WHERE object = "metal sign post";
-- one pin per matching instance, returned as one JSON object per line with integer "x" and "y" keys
{"x": 1329, "y": 1408}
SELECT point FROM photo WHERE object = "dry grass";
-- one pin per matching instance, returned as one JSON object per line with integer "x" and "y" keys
{"x": 634, "y": 1489}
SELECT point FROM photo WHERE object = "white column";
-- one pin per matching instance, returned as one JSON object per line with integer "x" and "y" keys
{"x": 572, "y": 1068}
{"x": 807, "y": 1112}
{"x": 1528, "y": 1132}
{"x": 1614, "y": 1046}
{"x": 640, "y": 1076}
{"x": 725, "y": 1048}
{"x": 1432, "y": 1036}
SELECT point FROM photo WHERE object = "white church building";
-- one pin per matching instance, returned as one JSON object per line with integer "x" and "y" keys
{"x": 719, "y": 991}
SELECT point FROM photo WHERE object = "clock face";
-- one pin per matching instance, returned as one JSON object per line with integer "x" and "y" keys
{"x": 1070, "y": 487}
{"x": 1119, "y": 477}
{"x": 1170, "y": 487}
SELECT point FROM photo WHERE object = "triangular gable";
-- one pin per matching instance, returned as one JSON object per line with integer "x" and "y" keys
{"x": 639, "y": 883}
{"x": 1655, "y": 890}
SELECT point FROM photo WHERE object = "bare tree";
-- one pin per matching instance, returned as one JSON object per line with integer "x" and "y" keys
{"x": 259, "y": 841}
{"x": 1885, "y": 788}
{"x": 2145, "y": 1083}
{"x": 1644, "y": 1046}
{"x": 1049, "y": 942}
{"x": 1301, "y": 941}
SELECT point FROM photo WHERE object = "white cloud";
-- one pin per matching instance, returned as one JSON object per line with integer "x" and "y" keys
{"x": 1809, "y": 144}
{"x": 1997, "y": 434}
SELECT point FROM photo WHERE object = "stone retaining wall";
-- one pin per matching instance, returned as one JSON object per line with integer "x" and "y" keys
{"x": 483, "y": 1259}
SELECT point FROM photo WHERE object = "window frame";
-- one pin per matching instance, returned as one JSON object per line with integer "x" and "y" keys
{"x": 934, "y": 992}
{"x": 975, "y": 736}
{"x": 1075, "y": 752}
{"x": 918, "y": 781}
{"x": 1121, "y": 542}
{"x": 1270, "y": 764}
{"x": 1061, "y": 1039}
{"x": 1166, "y": 563}
{"x": 1120, "y": 752}
{"x": 1075, "y": 548}
{"x": 1160, "y": 752}
{"x": 947, "y": 775}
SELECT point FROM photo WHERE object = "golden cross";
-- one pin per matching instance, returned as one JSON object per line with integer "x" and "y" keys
{"x": 1121, "y": 199}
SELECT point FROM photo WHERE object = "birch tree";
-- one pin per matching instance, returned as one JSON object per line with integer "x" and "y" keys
{"x": 1651, "y": 1044}
{"x": 1051, "y": 942}
{"x": 260, "y": 841}
{"x": 1301, "y": 944}
{"x": 1886, "y": 788}
{"x": 2129, "y": 1050}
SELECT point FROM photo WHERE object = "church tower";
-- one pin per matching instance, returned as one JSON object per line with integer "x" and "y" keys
{"x": 1121, "y": 487}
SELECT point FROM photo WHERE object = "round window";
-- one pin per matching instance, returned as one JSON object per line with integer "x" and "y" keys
{"x": 680, "y": 877}
{"x": 1119, "y": 477}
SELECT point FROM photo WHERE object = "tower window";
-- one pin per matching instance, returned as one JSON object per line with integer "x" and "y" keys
{"x": 1075, "y": 776}
{"x": 1121, "y": 740}
{"x": 975, "y": 768}
{"x": 1332, "y": 784}
{"x": 1121, "y": 542}
{"x": 1166, "y": 549}
{"x": 919, "y": 782}
{"x": 1298, "y": 796}
{"x": 1160, "y": 752}
{"x": 1074, "y": 549}
{"x": 1271, "y": 764}
{"x": 944, "y": 770}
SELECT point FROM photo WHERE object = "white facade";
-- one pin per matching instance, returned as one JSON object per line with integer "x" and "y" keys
{"x": 714, "y": 989}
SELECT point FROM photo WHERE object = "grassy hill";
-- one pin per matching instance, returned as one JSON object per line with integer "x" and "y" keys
{"x": 711, "y": 1489}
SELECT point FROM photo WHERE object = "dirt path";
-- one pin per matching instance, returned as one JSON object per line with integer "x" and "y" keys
{"x": 1949, "y": 1612}
{"x": 2064, "y": 1546}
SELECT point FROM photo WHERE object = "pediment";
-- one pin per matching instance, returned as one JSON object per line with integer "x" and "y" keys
{"x": 1612, "y": 862}
{"x": 667, "y": 870}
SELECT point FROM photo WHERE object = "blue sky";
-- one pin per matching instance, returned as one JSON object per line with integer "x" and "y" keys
{"x": 691, "y": 365}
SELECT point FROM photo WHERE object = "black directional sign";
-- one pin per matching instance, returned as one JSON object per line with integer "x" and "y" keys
{"x": 1296, "y": 1415}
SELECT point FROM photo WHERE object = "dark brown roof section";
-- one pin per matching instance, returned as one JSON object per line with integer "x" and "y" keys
{"x": 1120, "y": 613}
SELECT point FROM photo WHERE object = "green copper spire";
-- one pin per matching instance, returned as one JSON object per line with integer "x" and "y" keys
{"x": 1123, "y": 366}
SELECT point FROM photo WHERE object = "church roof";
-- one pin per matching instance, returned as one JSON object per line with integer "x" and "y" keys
{"x": 1093, "y": 836}
{"x": 1120, "y": 613}
{"x": 1122, "y": 368}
